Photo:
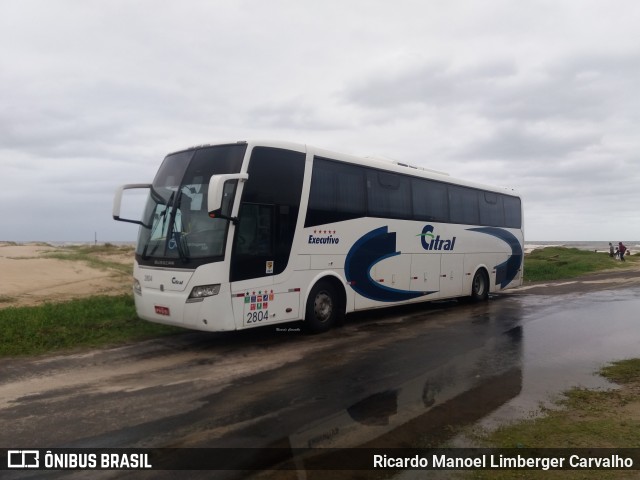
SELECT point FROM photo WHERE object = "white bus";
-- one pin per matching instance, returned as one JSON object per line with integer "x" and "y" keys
{"x": 241, "y": 235}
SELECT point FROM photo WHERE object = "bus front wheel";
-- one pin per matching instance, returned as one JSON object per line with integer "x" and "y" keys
{"x": 323, "y": 307}
{"x": 480, "y": 286}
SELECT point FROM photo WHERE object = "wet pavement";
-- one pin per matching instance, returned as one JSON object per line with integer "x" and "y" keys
{"x": 566, "y": 340}
{"x": 405, "y": 377}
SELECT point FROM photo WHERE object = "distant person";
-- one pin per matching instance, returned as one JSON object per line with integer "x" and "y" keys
{"x": 611, "y": 249}
{"x": 622, "y": 249}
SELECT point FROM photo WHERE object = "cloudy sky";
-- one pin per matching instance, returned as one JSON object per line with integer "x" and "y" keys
{"x": 541, "y": 96}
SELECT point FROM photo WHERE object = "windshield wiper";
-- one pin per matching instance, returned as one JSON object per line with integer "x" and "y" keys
{"x": 183, "y": 249}
{"x": 177, "y": 235}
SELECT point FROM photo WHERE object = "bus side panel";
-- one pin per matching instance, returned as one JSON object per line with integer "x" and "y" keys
{"x": 263, "y": 307}
{"x": 393, "y": 272}
{"x": 244, "y": 291}
{"x": 451, "y": 273}
{"x": 425, "y": 273}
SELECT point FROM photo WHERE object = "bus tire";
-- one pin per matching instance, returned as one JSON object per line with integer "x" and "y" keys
{"x": 323, "y": 309}
{"x": 480, "y": 286}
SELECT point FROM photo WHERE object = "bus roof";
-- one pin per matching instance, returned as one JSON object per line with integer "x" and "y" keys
{"x": 366, "y": 161}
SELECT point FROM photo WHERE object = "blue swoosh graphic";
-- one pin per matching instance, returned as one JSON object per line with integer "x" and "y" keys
{"x": 370, "y": 249}
{"x": 506, "y": 271}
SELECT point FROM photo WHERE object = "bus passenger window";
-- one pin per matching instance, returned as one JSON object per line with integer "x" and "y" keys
{"x": 463, "y": 205}
{"x": 491, "y": 211}
{"x": 389, "y": 195}
{"x": 512, "y": 212}
{"x": 430, "y": 202}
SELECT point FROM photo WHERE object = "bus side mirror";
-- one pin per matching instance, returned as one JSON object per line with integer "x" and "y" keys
{"x": 222, "y": 189}
{"x": 117, "y": 202}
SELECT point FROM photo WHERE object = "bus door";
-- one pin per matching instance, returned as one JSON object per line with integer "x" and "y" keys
{"x": 267, "y": 219}
{"x": 253, "y": 259}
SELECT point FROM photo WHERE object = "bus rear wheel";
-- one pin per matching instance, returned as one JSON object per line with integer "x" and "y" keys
{"x": 480, "y": 286}
{"x": 323, "y": 309}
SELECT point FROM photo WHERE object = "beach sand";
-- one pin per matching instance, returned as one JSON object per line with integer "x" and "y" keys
{"x": 29, "y": 277}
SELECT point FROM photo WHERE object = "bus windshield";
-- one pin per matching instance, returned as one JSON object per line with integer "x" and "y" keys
{"x": 176, "y": 221}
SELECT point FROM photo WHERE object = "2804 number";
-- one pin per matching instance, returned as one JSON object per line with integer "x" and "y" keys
{"x": 257, "y": 316}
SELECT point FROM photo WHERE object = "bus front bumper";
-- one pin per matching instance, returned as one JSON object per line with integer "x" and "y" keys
{"x": 210, "y": 314}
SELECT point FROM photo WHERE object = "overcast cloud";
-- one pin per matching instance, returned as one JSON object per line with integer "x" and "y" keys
{"x": 536, "y": 95}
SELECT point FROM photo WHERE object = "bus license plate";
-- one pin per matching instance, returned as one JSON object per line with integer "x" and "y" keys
{"x": 162, "y": 310}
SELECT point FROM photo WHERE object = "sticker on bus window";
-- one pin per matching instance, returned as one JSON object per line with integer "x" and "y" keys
{"x": 269, "y": 268}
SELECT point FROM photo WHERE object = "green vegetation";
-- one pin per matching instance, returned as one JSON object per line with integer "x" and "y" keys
{"x": 587, "y": 419}
{"x": 625, "y": 372}
{"x": 88, "y": 322}
{"x": 554, "y": 263}
{"x": 96, "y": 256}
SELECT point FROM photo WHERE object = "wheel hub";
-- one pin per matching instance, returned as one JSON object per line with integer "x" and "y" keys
{"x": 323, "y": 307}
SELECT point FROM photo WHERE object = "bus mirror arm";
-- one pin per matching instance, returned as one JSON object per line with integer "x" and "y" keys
{"x": 221, "y": 187}
{"x": 117, "y": 202}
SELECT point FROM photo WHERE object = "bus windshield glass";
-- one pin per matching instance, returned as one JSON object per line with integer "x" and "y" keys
{"x": 176, "y": 222}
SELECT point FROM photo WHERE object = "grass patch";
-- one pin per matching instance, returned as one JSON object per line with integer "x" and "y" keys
{"x": 87, "y": 322}
{"x": 96, "y": 256}
{"x": 554, "y": 263}
{"x": 623, "y": 372}
{"x": 587, "y": 419}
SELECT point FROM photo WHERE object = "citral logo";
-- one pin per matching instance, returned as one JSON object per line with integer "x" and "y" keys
{"x": 432, "y": 242}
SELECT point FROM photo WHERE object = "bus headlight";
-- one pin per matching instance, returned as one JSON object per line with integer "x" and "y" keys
{"x": 199, "y": 293}
{"x": 137, "y": 288}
